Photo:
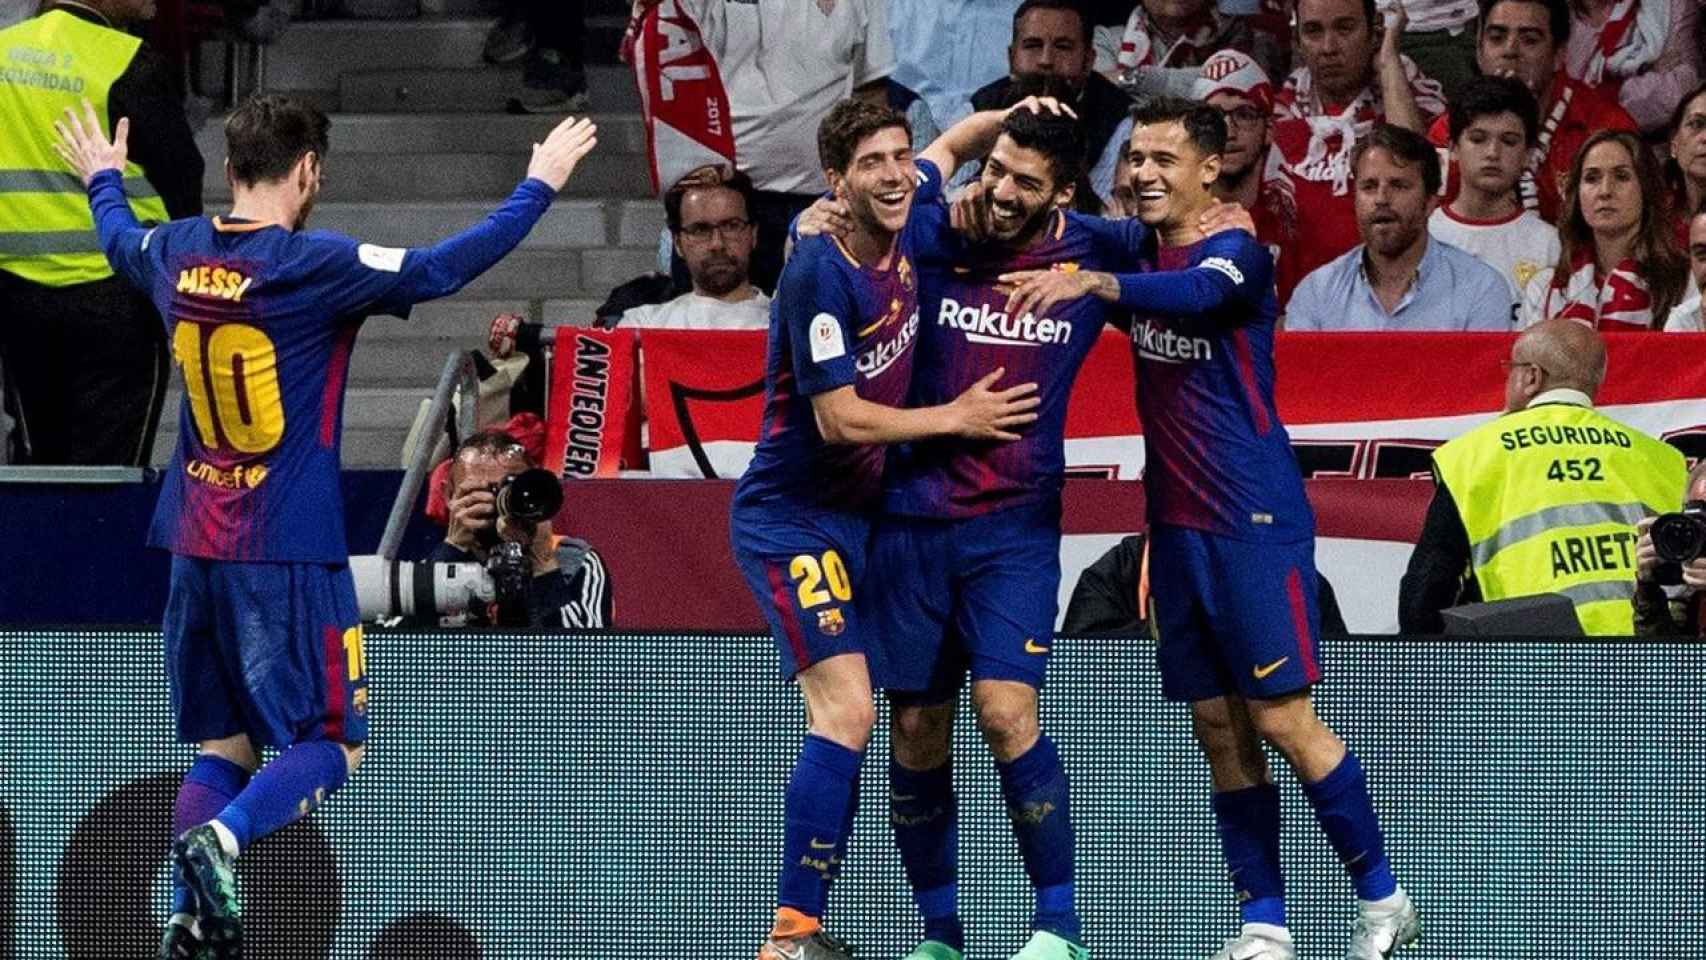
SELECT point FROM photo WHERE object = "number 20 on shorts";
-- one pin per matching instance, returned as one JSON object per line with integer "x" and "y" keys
{"x": 812, "y": 575}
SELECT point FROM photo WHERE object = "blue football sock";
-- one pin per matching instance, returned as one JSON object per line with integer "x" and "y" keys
{"x": 210, "y": 783}
{"x": 286, "y": 790}
{"x": 817, "y": 804}
{"x": 840, "y": 858}
{"x": 1249, "y": 822}
{"x": 924, "y": 813}
{"x": 1346, "y": 812}
{"x": 1035, "y": 789}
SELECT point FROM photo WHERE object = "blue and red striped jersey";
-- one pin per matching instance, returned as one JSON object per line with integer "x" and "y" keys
{"x": 966, "y": 333}
{"x": 1216, "y": 457}
{"x": 835, "y": 322}
{"x": 261, "y": 321}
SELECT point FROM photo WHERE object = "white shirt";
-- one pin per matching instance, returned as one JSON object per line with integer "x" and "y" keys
{"x": 691, "y": 311}
{"x": 784, "y": 63}
{"x": 1427, "y": 16}
{"x": 1518, "y": 247}
{"x": 1685, "y": 316}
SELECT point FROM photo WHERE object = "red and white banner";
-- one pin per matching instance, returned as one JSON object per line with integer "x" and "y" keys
{"x": 688, "y": 121}
{"x": 592, "y": 377}
{"x": 1356, "y": 405}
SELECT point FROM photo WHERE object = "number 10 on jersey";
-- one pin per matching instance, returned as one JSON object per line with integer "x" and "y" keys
{"x": 231, "y": 382}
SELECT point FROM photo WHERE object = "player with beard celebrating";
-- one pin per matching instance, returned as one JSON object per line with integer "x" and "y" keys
{"x": 839, "y": 364}
{"x": 1232, "y": 549}
{"x": 966, "y": 560}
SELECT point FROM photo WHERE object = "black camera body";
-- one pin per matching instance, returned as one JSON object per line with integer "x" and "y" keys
{"x": 1680, "y": 537}
{"x": 524, "y": 499}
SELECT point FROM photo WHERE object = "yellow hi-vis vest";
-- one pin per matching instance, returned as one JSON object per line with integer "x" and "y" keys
{"x": 49, "y": 63}
{"x": 1550, "y": 496}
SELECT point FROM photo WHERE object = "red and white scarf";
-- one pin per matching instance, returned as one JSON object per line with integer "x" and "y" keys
{"x": 1327, "y": 154}
{"x": 1619, "y": 302}
{"x": 1144, "y": 46}
{"x": 1631, "y": 38}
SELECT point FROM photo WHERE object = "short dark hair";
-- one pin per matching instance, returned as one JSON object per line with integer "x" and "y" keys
{"x": 1371, "y": 17}
{"x": 1408, "y": 146}
{"x": 1205, "y": 127}
{"x": 1070, "y": 6}
{"x": 1056, "y": 136}
{"x": 268, "y": 133}
{"x": 1557, "y": 18}
{"x": 738, "y": 181}
{"x": 1489, "y": 96}
{"x": 849, "y": 123}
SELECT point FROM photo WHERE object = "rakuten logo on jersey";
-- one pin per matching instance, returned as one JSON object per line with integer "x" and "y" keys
{"x": 884, "y": 353}
{"x": 1157, "y": 343}
{"x": 983, "y": 325}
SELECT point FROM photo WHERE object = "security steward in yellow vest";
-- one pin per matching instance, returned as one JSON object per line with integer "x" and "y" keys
{"x": 83, "y": 350}
{"x": 1544, "y": 499}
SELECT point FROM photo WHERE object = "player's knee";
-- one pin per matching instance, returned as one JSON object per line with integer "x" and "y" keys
{"x": 1216, "y": 731}
{"x": 1009, "y": 725}
{"x": 847, "y": 722}
{"x": 921, "y": 736}
{"x": 1290, "y": 725}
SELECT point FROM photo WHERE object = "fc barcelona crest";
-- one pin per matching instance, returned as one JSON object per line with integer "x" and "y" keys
{"x": 830, "y": 622}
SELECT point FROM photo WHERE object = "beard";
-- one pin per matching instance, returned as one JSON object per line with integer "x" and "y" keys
{"x": 720, "y": 276}
{"x": 1030, "y": 223}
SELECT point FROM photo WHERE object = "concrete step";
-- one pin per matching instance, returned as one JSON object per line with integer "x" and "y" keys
{"x": 425, "y": 177}
{"x": 463, "y": 90}
{"x": 411, "y": 363}
{"x": 579, "y": 313}
{"x": 568, "y": 225}
{"x": 432, "y": 133}
{"x": 454, "y": 319}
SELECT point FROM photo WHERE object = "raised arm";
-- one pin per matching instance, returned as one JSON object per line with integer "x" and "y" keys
{"x": 82, "y": 143}
{"x": 973, "y": 137}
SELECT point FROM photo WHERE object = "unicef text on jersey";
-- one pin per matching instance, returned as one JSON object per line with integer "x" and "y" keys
{"x": 983, "y": 325}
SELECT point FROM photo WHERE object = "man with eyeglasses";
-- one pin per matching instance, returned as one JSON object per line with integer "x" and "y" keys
{"x": 1545, "y": 499}
{"x": 1236, "y": 85}
{"x": 710, "y": 225}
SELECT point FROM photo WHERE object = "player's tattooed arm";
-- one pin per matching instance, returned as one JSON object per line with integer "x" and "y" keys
{"x": 1036, "y": 292}
{"x": 973, "y": 137}
{"x": 980, "y": 413}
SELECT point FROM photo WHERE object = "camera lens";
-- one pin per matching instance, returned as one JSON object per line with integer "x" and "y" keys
{"x": 531, "y": 496}
{"x": 1678, "y": 537}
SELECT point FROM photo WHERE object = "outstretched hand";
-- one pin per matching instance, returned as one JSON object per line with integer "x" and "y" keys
{"x": 554, "y": 160}
{"x": 83, "y": 142}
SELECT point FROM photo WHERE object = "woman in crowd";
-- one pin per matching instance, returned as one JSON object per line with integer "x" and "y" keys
{"x": 1685, "y": 171}
{"x": 1620, "y": 268}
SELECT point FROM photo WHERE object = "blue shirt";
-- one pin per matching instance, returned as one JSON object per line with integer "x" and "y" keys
{"x": 1217, "y": 458}
{"x": 261, "y": 321}
{"x": 966, "y": 333}
{"x": 835, "y": 322}
{"x": 1454, "y": 291}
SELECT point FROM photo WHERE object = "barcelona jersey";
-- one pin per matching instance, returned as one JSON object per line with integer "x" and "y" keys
{"x": 966, "y": 333}
{"x": 261, "y": 321}
{"x": 834, "y": 323}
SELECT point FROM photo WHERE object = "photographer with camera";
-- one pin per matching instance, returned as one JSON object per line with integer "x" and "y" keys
{"x": 501, "y": 506}
{"x": 1668, "y": 554}
{"x": 1544, "y": 499}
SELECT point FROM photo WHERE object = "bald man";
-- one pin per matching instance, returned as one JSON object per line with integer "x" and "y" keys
{"x": 1544, "y": 499}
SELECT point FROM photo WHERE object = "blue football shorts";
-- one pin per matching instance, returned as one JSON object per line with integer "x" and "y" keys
{"x": 804, "y": 568}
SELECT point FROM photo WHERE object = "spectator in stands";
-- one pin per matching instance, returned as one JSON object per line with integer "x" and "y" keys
{"x": 784, "y": 63}
{"x": 1657, "y": 612}
{"x": 1525, "y": 39}
{"x": 1493, "y": 128}
{"x": 1685, "y": 168}
{"x": 1687, "y": 316}
{"x": 548, "y": 38}
{"x": 944, "y": 50}
{"x": 1618, "y": 265}
{"x": 711, "y": 226}
{"x": 1399, "y": 279}
{"x": 1352, "y": 78}
{"x": 85, "y": 351}
{"x": 1167, "y": 41}
{"x": 1439, "y": 36}
{"x": 1545, "y": 498}
{"x": 1235, "y": 84}
{"x": 1052, "y": 38}
{"x": 570, "y": 588}
{"x": 1644, "y": 52}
